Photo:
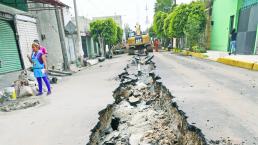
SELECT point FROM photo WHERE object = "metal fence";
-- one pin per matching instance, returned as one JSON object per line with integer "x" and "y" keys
{"x": 247, "y": 27}
{"x": 248, "y": 3}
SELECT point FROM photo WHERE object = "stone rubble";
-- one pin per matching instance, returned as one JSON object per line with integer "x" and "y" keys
{"x": 143, "y": 113}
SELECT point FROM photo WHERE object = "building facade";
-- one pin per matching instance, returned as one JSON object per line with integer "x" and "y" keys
{"x": 237, "y": 14}
{"x": 224, "y": 20}
{"x": 116, "y": 18}
{"x": 89, "y": 46}
{"x": 13, "y": 41}
{"x": 247, "y": 38}
{"x": 21, "y": 22}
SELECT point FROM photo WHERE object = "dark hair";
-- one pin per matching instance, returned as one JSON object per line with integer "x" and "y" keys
{"x": 233, "y": 31}
{"x": 36, "y": 41}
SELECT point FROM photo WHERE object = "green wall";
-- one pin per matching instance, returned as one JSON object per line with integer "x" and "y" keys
{"x": 18, "y": 4}
{"x": 221, "y": 12}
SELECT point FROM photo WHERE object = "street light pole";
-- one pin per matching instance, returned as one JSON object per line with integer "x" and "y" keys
{"x": 78, "y": 42}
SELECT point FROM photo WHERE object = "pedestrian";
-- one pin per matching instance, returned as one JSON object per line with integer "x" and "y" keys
{"x": 170, "y": 46}
{"x": 156, "y": 44}
{"x": 39, "y": 61}
{"x": 42, "y": 49}
{"x": 233, "y": 42}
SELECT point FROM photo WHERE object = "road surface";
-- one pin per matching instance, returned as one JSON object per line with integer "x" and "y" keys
{"x": 68, "y": 115}
{"x": 219, "y": 99}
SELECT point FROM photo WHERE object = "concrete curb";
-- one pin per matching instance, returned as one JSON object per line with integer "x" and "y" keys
{"x": 255, "y": 67}
{"x": 228, "y": 61}
{"x": 197, "y": 55}
{"x": 236, "y": 63}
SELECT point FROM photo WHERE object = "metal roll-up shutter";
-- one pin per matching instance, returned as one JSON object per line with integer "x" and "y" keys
{"x": 27, "y": 31}
{"x": 9, "y": 55}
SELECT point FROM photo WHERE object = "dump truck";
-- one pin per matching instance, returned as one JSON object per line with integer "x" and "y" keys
{"x": 138, "y": 42}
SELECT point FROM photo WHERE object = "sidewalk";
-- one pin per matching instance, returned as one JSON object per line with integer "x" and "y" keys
{"x": 214, "y": 55}
{"x": 243, "y": 61}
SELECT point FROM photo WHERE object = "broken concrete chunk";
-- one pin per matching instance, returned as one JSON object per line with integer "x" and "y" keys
{"x": 134, "y": 101}
{"x": 144, "y": 114}
{"x": 92, "y": 61}
{"x": 136, "y": 93}
{"x": 140, "y": 86}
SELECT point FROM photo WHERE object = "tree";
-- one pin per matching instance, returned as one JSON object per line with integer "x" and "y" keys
{"x": 151, "y": 32}
{"x": 96, "y": 30}
{"x": 166, "y": 30}
{"x": 196, "y": 22}
{"x": 164, "y": 5}
{"x": 119, "y": 35}
{"x": 178, "y": 23}
{"x": 110, "y": 31}
{"x": 158, "y": 23}
{"x": 105, "y": 32}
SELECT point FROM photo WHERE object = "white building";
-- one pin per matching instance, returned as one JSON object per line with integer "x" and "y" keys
{"x": 116, "y": 18}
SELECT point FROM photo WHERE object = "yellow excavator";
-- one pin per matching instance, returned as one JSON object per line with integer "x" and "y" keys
{"x": 138, "y": 42}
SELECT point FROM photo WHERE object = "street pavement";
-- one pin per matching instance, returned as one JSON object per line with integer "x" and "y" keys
{"x": 67, "y": 116}
{"x": 220, "y": 100}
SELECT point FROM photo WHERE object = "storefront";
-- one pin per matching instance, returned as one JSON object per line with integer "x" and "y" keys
{"x": 10, "y": 59}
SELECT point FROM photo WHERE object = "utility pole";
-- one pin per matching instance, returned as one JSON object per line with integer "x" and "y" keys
{"x": 147, "y": 18}
{"x": 78, "y": 48}
{"x": 60, "y": 26}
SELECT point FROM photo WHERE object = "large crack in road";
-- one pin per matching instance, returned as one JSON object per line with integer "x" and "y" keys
{"x": 143, "y": 112}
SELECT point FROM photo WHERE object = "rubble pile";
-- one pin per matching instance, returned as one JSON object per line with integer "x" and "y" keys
{"x": 21, "y": 94}
{"x": 143, "y": 112}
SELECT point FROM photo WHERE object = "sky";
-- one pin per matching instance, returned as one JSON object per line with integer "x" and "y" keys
{"x": 132, "y": 11}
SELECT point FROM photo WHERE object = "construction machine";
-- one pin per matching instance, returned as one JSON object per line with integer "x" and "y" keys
{"x": 138, "y": 42}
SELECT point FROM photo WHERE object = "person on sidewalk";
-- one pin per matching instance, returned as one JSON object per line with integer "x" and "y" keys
{"x": 42, "y": 49}
{"x": 39, "y": 61}
{"x": 233, "y": 42}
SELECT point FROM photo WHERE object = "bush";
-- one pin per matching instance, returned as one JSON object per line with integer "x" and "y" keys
{"x": 198, "y": 49}
{"x": 177, "y": 50}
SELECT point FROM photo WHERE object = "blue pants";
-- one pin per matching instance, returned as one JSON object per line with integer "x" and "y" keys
{"x": 233, "y": 47}
{"x": 39, "y": 79}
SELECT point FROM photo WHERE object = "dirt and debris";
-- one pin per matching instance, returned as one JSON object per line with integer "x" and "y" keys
{"x": 143, "y": 112}
{"x": 20, "y": 104}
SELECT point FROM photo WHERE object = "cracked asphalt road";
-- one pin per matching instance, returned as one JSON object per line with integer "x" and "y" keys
{"x": 219, "y": 99}
{"x": 69, "y": 113}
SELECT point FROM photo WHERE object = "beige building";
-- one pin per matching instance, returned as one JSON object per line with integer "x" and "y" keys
{"x": 116, "y": 18}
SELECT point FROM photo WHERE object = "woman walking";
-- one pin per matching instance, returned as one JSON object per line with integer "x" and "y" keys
{"x": 38, "y": 59}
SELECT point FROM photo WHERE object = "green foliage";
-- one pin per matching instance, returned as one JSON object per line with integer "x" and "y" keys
{"x": 166, "y": 27}
{"x": 198, "y": 49}
{"x": 110, "y": 31}
{"x": 163, "y": 5}
{"x": 177, "y": 50}
{"x": 107, "y": 30}
{"x": 151, "y": 32}
{"x": 186, "y": 20}
{"x": 158, "y": 23}
{"x": 178, "y": 21}
{"x": 119, "y": 34}
{"x": 96, "y": 29}
{"x": 196, "y": 22}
